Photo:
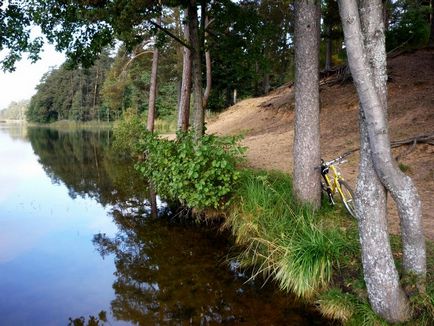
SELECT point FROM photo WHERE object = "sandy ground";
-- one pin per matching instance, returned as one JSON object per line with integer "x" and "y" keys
{"x": 269, "y": 131}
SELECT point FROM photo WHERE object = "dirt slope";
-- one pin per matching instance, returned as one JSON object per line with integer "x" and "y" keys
{"x": 269, "y": 131}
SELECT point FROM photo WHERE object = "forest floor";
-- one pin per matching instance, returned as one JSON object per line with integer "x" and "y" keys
{"x": 267, "y": 125}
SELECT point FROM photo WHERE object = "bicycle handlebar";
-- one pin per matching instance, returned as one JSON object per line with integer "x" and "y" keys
{"x": 338, "y": 160}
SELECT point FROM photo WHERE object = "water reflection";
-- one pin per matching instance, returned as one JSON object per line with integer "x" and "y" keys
{"x": 155, "y": 271}
{"x": 82, "y": 160}
{"x": 172, "y": 273}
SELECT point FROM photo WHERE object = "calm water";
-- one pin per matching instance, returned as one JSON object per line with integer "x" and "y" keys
{"x": 76, "y": 240}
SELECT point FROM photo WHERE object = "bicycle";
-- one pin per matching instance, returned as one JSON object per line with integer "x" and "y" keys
{"x": 335, "y": 183}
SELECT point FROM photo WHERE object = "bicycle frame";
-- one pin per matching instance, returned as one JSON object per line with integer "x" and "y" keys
{"x": 332, "y": 184}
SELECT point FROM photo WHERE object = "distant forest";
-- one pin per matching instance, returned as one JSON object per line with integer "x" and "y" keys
{"x": 251, "y": 49}
{"x": 15, "y": 111}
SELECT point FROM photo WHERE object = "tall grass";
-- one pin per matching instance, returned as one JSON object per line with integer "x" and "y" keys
{"x": 283, "y": 240}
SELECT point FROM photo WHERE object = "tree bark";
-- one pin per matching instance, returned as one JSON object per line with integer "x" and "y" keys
{"x": 199, "y": 117}
{"x": 208, "y": 68}
{"x": 153, "y": 88}
{"x": 398, "y": 184}
{"x": 381, "y": 276}
{"x": 184, "y": 103}
{"x": 306, "y": 130}
{"x": 266, "y": 83}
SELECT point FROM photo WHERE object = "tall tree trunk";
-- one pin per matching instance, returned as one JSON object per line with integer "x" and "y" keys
{"x": 184, "y": 103}
{"x": 380, "y": 273}
{"x": 398, "y": 184}
{"x": 153, "y": 87}
{"x": 199, "y": 117}
{"x": 95, "y": 90}
{"x": 306, "y": 131}
{"x": 266, "y": 83}
{"x": 208, "y": 67}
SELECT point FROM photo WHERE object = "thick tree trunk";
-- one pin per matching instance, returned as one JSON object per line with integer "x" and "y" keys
{"x": 381, "y": 277}
{"x": 306, "y": 131}
{"x": 153, "y": 88}
{"x": 199, "y": 117}
{"x": 399, "y": 185}
{"x": 380, "y": 274}
{"x": 184, "y": 103}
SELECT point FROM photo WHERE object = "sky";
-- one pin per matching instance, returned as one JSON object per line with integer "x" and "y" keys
{"x": 20, "y": 84}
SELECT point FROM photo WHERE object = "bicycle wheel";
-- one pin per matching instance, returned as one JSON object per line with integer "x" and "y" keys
{"x": 347, "y": 196}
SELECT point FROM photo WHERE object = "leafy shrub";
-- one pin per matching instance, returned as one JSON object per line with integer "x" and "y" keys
{"x": 128, "y": 131}
{"x": 200, "y": 174}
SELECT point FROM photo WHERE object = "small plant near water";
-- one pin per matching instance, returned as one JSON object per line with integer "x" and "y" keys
{"x": 131, "y": 129}
{"x": 198, "y": 173}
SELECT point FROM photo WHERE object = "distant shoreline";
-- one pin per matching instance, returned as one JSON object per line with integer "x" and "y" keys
{"x": 11, "y": 121}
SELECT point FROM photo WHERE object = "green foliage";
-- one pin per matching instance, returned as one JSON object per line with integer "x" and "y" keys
{"x": 15, "y": 35}
{"x": 131, "y": 129}
{"x": 70, "y": 94}
{"x": 335, "y": 304}
{"x": 249, "y": 42}
{"x": 128, "y": 132}
{"x": 99, "y": 320}
{"x": 284, "y": 240}
{"x": 199, "y": 173}
{"x": 128, "y": 82}
{"x": 404, "y": 167}
{"x": 409, "y": 25}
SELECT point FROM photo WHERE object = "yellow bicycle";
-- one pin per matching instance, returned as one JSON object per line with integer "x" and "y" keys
{"x": 334, "y": 183}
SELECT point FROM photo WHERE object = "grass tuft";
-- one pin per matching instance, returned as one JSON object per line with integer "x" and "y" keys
{"x": 283, "y": 240}
{"x": 335, "y": 304}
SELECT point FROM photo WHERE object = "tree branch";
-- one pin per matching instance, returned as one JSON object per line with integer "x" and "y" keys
{"x": 169, "y": 33}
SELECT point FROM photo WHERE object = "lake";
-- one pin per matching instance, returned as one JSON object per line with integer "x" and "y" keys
{"x": 78, "y": 244}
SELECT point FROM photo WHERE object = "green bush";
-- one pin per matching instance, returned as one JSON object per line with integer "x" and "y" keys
{"x": 200, "y": 174}
{"x": 128, "y": 132}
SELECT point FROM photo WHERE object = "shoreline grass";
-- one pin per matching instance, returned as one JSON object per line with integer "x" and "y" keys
{"x": 314, "y": 255}
{"x": 69, "y": 125}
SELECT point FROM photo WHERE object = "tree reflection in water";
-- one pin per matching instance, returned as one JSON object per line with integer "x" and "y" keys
{"x": 175, "y": 273}
{"x": 83, "y": 161}
{"x": 166, "y": 272}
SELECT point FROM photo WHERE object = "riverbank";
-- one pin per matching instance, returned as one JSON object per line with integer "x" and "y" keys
{"x": 314, "y": 255}
{"x": 273, "y": 242}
